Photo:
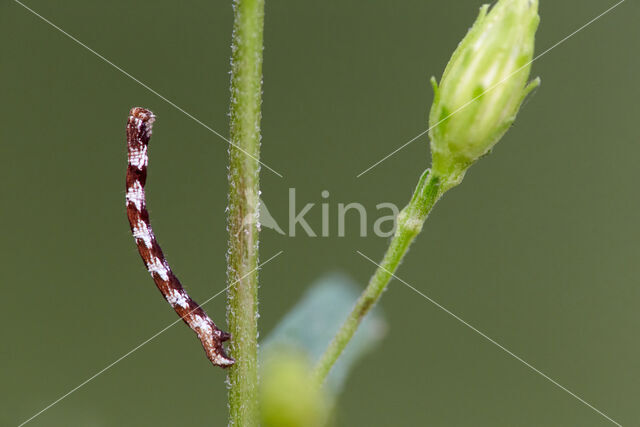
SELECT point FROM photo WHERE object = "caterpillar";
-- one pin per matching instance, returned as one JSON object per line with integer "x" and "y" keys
{"x": 139, "y": 127}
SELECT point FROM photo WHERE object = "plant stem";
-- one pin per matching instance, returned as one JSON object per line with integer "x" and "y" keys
{"x": 409, "y": 225}
{"x": 242, "y": 220}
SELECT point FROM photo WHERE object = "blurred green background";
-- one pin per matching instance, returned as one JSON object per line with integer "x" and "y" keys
{"x": 538, "y": 248}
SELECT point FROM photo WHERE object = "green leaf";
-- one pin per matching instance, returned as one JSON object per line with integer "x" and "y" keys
{"x": 315, "y": 319}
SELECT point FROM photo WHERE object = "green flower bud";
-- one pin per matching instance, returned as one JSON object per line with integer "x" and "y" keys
{"x": 289, "y": 397}
{"x": 483, "y": 86}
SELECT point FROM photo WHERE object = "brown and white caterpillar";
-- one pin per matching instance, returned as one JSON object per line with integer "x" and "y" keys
{"x": 138, "y": 134}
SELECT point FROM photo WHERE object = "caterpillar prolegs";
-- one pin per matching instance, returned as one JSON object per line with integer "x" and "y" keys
{"x": 138, "y": 134}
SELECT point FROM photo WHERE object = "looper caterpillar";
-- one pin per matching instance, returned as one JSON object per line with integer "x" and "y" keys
{"x": 138, "y": 134}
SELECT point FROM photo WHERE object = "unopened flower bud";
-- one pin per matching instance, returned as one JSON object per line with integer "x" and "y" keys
{"x": 483, "y": 85}
{"x": 289, "y": 397}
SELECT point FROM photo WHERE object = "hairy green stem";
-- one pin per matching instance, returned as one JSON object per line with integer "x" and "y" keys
{"x": 409, "y": 225}
{"x": 242, "y": 220}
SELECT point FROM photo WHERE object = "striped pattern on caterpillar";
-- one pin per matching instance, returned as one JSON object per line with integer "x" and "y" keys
{"x": 138, "y": 134}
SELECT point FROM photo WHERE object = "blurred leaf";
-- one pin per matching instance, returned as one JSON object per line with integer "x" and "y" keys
{"x": 314, "y": 320}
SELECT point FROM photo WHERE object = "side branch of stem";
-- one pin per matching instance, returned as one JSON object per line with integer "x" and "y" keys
{"x": 409, "y": 225}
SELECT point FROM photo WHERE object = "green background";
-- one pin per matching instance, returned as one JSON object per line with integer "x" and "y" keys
{"x": 538, "y": 248}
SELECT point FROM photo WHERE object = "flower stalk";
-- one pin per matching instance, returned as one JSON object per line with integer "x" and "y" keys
{"x": 409, "y": 225}
{"x": 479, "y": 96}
